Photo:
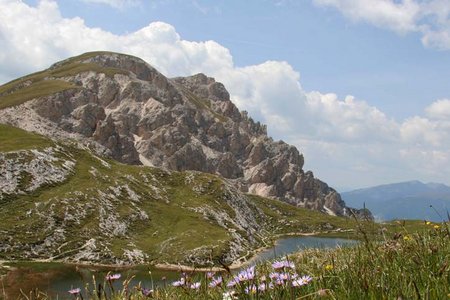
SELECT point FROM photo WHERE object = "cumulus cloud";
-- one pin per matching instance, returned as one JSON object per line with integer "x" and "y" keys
{"x": 430, "y": 18}
{"x": 439, "y": 109}
{"x": 115, "y": 3}
{"x": 44, "y": 36}
{"x": 345, "y": 141}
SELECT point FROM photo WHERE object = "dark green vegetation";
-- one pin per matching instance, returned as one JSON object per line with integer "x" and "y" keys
{"x": 50, "y": 81}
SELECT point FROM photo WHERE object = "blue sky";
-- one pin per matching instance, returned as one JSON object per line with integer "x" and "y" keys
{"x": 332, "y": 53}
{"x": 360, "y": 87}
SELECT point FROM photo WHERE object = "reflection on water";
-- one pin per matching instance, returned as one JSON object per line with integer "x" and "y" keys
{"x": 55, "y": 279}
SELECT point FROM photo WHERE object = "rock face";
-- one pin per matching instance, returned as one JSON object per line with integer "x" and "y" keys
{"x": 38, "y": 168}
{"x": 139, "y": 116}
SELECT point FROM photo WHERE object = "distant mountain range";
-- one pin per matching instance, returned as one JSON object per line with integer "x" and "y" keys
{"x": 404, "y": 200}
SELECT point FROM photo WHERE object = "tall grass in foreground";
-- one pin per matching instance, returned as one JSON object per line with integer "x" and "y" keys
{"x": 404, "y": 266}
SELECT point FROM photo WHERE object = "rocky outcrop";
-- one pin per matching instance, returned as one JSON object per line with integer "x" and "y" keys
{"x": 139, "y": 116}
{"x": 26, "y": 171}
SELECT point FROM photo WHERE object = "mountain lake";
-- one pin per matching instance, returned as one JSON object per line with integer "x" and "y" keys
{"x": 55, "y": 279}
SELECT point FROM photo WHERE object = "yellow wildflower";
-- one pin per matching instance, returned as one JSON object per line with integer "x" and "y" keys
{"x": 406, "y": 238}
{"x": 436, "y": 226}
{"x": 328, "y": 267}
{"x": 428, "y": 223}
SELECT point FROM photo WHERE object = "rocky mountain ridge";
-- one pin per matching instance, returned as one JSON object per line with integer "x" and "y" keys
{"x": 126, "y": 109}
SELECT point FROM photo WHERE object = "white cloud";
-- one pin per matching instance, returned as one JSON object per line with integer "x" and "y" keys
{"x": 115, "y": 3}
{"x": 430, "y": 18}
{"x": 439, "y": 109}
{"x": 400, "y": 17}
{"x": 350, "y": 119}
{"x": 44, "y": 36}
{"x": 345, "y": 141}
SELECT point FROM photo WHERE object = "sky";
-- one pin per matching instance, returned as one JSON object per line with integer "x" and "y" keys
{"x": 361, "y": 88}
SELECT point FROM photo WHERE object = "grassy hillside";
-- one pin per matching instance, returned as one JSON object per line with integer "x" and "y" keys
{"x": 156, "y": 215}
{"x": 50, "y": 81}
{"x": 14, "y": 139}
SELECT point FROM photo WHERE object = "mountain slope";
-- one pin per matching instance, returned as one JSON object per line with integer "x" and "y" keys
{"x": 126, "y": 109}
{"x": 62, "y": 202}
{"x": 405, "y": 200}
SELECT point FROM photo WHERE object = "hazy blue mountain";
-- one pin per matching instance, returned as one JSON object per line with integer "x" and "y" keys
{"x": 404, "y": 200}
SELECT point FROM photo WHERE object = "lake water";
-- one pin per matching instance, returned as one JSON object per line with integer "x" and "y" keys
{"x": 292, "y": 244}
{"x": 56, "y": 279}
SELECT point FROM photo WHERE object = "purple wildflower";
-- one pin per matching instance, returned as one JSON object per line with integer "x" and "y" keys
{"x": 113, "y": 277}
{"x": 274, "y": 275}
{"x": 283, "y": 264}
{"x": 289, "y": 265}
{"x": 262, "y": 287}
{"x": 279, "y": 282}
{"x": 247, "y": 274}
{"x": 306, "y": 278}
{"x": 216, "y": 282}
{"x": 74, "y": 291}
{"x": 233, "y": 282}
{"x": 210, "y": 275}
{"x": 278, "y": 265}
{"x": 180, "y": 282}
{"x": 298, "y": 282}
{"x": 252, "y": 289}
{"x": 195, "y": 286}
{"x": 301, "y": 281}
{"x": 147, "y": 292}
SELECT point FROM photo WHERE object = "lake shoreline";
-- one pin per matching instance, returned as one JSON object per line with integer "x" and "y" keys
{"x": 242, "y": 261}
{"x": 236, "y": 264}
{"x": 39, "y": 273}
